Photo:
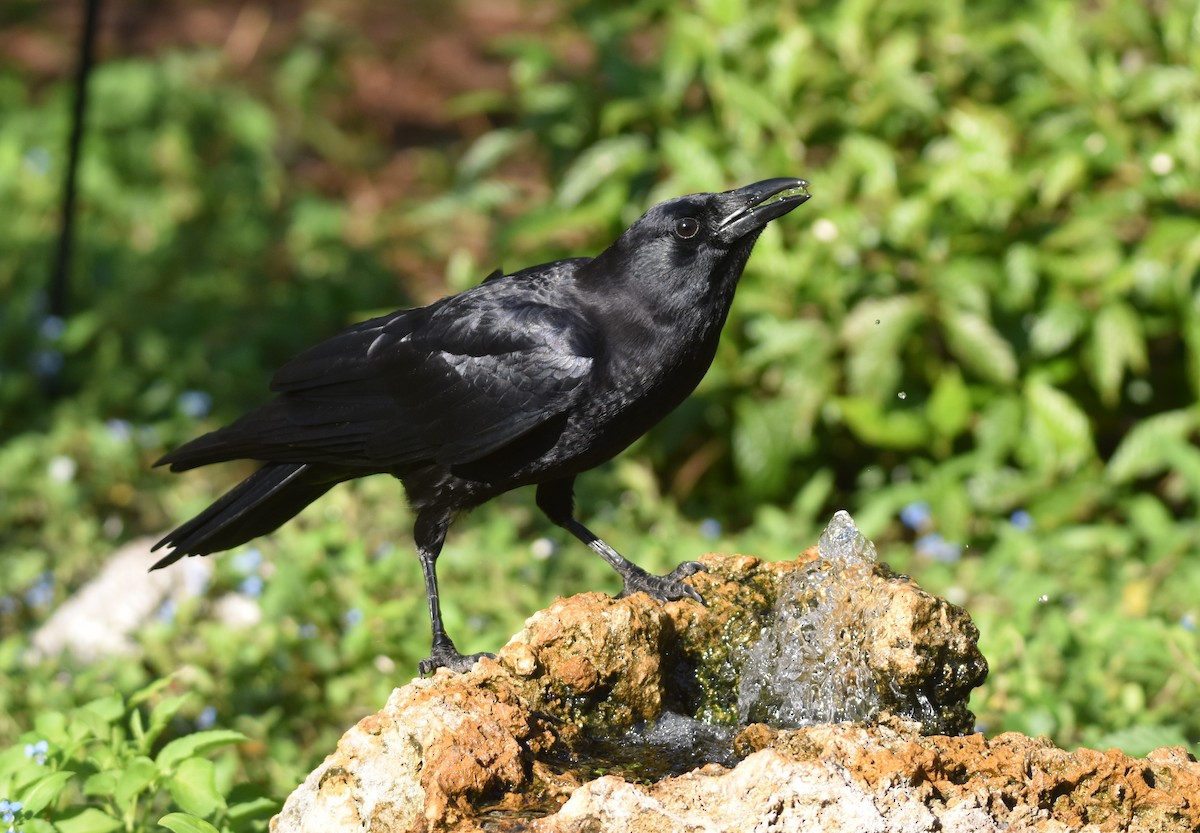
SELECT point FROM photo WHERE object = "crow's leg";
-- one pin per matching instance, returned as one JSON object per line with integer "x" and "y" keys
{"x": 557, "y": 501}
{"x": 429, "y": 534}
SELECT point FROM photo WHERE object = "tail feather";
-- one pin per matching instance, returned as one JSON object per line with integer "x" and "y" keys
{"x": 258, "y": 505}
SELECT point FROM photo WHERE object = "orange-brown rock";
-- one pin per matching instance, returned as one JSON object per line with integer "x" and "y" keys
{"x": 493, "y": 749}
{"x": 592, "y": 668}
{"x": 891, "y": 778}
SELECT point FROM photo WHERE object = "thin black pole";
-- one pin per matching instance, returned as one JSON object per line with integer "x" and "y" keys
{"x": 60, "y": 288}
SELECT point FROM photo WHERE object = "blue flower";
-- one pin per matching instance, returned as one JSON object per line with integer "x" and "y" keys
{"x": 207, "y": 718}
{"x": 916, "y": 515}
{"x": 1188, "y": 621}
{"x": 252, "y": 586}
{"x": 710, "y": 528}
{"x": 37, "y": 161}
{"x": 1021, "y": 519}
{"x": 37, "y": 751}
{"x": 352, "y": 617}
{"x": 938, "y": 548}
{"x": 195, "y": 403}
{"x": 46, "y": 363}
{"x": 120, "y": 430}
{"x": 247, "y": 561}
{"x": 41, "y": 593}
{"x": 9, "y": 810}
{"x": 52, "y": 328}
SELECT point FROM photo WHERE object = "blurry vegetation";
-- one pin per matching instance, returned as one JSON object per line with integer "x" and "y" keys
{"x": 982, "y": 337}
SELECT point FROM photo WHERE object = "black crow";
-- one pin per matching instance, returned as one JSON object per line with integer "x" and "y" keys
{"x": 528, "y": 378}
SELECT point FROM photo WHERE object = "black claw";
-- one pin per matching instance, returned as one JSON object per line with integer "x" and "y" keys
{"x": 443, "y": 656}
{"x": 687, "y": 568}
{"x": 665, "y": 588}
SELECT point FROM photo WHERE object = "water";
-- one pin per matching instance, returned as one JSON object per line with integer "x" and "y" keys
{"x": 811, "y": 663}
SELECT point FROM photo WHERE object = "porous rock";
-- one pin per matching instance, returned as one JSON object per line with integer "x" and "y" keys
{"x": 847, "y": 777}
{"x": 493, "y": 749}
{"x": 589, "y": 666}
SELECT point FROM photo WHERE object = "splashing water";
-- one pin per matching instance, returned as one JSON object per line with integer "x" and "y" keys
{"x": 811, "y": 664}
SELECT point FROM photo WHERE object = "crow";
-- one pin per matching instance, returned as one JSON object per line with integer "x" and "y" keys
{"x": 529, "y": 378}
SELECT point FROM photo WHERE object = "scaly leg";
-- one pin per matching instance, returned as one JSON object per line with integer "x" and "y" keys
{"x": 556, "y": 500}
{"x": 429, "y": 534}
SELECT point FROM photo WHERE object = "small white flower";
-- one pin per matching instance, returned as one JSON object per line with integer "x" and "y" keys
{"x": 61, "y": 469}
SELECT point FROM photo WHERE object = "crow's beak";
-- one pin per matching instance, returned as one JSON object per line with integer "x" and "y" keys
{"x": 753, "y": 206}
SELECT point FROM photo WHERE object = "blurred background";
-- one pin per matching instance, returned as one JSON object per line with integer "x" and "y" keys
{"x": 981, "y": 337}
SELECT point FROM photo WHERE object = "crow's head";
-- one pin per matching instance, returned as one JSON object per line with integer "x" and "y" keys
{"x": 699, "y": 236}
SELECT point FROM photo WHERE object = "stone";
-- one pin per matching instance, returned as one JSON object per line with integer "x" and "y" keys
{"x": 654, "y": 686}
{"x": 891, "y": 778}
{"x": 631, "y": 716}
{"x": 89, "y": 626}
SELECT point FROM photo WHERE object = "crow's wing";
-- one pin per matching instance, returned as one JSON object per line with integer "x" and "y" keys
{"x": 450, "y": 382}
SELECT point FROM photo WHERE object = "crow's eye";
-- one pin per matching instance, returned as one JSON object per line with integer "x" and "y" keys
{"x": 687, "y": 228}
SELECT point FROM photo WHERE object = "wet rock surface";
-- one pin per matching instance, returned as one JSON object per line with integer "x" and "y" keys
{"x": 630, "y": 714}
{"x": 890, "y": 778}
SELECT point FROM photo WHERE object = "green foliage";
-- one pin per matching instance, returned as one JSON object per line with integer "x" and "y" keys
{"x": 103, "y": 767}
{"x": 981, "y": 337}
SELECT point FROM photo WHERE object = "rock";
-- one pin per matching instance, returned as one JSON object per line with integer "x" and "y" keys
{"x": 90, "y": 626}
{"x": 657, "y": 688}
{"x": 438, "y": 746}
{"x": 890, "y": 778}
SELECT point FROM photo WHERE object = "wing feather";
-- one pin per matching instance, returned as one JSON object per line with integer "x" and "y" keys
{"x": 451, "y": 383}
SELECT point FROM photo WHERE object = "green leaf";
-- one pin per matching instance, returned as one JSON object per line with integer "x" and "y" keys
{"x": 1020, "y": 274}
{"x": 487, "y": 152}
{"x": 873, "y": 333}
{"x": 598, "y": 164}
{"x": 41, "y": 793}
{"x": 949, "y": 407}
{"x": 88, "y": 820}
{"x": 976, "y": 344}
{"x": 260, "y": 807}
{"x": 1118, "y": 343}
{"x": 901, "y": 429}
{"x": 146, "y": 692}
{"x": 197, "y": 743}
{"x": 109, "y": 709}
{"x": 762, "y": 444}
{"x": 1146, "y": 450}
{"x": 1056, "y": 327}
{"x": 52, "y": 726}
{"x": 138, "y": 774}
{"x": 101, "y": 783}
{"x": 161, "y": 716}
{"x": 184, "y": 823}
{"x": 18, "y": 771}
{"x": 194, "y": 787}
{"x": 1061, "y": 178}
{"x": 1059, "y": 430}
{"x": 692, "y": 160}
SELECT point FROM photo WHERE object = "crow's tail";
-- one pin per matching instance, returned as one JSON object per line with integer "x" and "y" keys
{"x": 256, "y": 506}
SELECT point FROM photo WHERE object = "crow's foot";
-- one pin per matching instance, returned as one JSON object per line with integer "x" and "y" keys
{"x": 447, "y": 656}
{"x": 664, "y": 588}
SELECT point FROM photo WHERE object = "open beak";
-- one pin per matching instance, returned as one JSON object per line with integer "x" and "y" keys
{"x": 753, "y": 206}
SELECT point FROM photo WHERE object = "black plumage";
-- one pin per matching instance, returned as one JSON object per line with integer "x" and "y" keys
{"x": 528, "y": 378}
